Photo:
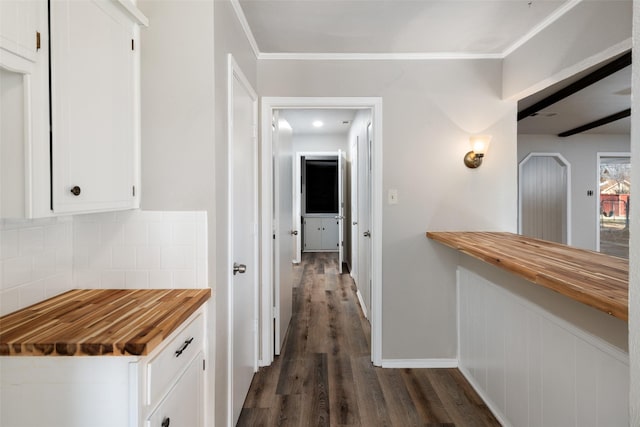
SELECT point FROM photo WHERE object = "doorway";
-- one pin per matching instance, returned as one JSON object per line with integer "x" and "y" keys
{"x": 544, "y": 197}
{"x": 614, "y": 204}
{"x": 269, "y": 223}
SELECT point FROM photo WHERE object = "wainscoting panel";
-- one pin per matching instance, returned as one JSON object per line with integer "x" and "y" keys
{"x": 533, "y": 368}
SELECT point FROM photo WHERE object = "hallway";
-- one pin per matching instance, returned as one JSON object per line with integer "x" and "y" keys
{"x": 324, "y": 374}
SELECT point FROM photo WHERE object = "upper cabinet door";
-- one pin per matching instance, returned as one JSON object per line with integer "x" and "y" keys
{"x": 19, "y": 21}
{"x": 94, "y": 80}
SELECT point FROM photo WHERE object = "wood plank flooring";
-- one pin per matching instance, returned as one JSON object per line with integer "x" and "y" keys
{"x": 324, "y": 375}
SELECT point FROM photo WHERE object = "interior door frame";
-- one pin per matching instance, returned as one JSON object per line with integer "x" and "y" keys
{"x": 234, "y": 71}
{"x": 599, "y": 156}
{"x": 297, "y": 193}
{"x": 268, "y": 105}
{"x": 563, "y": 161}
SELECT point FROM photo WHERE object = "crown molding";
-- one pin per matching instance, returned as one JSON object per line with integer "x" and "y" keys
{"x": 378, "y": 56}
{"x": 409, "y": 56}
{"x": 245, "y": 27}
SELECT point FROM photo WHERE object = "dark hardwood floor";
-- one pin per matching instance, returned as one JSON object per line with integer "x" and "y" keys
{"x": 324, "y": 375}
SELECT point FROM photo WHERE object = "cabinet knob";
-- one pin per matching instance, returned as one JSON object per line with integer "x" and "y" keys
{"x": 76, "y": 191}
{"x": 165, "y": 422}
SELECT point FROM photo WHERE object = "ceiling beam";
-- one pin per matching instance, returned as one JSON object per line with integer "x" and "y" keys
{"x": 597, "y": 75}
{"x": 596, "y": 123}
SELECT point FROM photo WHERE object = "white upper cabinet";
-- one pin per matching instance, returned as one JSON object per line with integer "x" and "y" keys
{"x": 19, "y": 20}
{"x": 94, "y": 105}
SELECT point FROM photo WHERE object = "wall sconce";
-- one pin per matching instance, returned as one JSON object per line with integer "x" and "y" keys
{"x": 479, "y": 147}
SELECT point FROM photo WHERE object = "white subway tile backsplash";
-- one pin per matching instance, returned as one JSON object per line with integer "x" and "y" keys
{"x": 183, "y": 233}
{"x": 32, "y": 293}
{"x": 178, "y": 257}
{"x": 148, "y": 258}
{"x": 30, "y": 240}
{"x": 130, "y": 249}
{"x": 136, "y": 233}
{"x": 124, "y": 258}
{"x": 17, "y": 271}
{"x": 159, "y": 234}
{"x": 86, "y": 233}
{"x": 137, "y": 279}
{"x": 160, "y": 279}
{"x": 8, "y": 244}
{"x": 184, "y": 279}
{"x": 9, "y": 301}
{"x": 113, "y": 279}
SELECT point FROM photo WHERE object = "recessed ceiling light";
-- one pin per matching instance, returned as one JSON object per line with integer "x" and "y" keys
{"x": 317, "y": 124}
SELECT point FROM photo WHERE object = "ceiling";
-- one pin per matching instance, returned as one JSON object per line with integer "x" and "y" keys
{"x": 429, "y": 29}
{"x": 481, "y": 27}
{"x": 608, "y": 96}
{"x": 335, "y": 121}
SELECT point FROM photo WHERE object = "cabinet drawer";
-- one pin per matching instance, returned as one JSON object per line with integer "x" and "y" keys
{"x": 183, "y": 405}
{"x": 174, "y": 358}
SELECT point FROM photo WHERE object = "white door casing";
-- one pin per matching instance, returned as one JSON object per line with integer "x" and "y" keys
{"x": 374, "y": 104}
{"x": 243, "y": 237}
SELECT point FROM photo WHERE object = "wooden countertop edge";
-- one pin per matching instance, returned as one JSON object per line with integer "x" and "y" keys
{"x": 147, "y": 338}
{"x": 611, "y": 306}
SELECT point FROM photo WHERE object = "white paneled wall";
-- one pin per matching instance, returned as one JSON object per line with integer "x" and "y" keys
{"x": 128, "y": 249}
{"x": 534, "y": 369}
{"x": 140, "y": 249}
{"x": 35, "y": 261}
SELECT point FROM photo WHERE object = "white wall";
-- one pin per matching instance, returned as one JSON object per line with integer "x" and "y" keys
{"x": 430, "y": 108}
{"x": 581, "y": 152}
{"x": 325, "y": 142}
{"x": 634, "y": 258}
{"x": 229, "y": 38}
{"x": 589, "y": 33}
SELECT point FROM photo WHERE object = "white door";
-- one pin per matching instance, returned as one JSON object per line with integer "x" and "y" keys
{"x": 340, "y": 216}
{"x": 544, "y": 197}
{"x": 284, "y": 242}
{"x": 243, "y": 242}
{"x": 364, "y": 219}
{"x": 354, "y": 209}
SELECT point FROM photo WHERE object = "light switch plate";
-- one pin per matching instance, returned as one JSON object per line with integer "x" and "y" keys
{"x": 393, "y": 196}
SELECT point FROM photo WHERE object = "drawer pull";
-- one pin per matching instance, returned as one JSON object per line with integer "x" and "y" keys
{"x": 182, "y": 349}
{"x": 165, "y": 422}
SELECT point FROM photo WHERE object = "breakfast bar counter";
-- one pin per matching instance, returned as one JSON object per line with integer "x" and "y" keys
{"x": 595, "y": 279}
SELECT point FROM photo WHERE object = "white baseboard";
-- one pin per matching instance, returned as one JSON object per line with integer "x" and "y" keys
{"x": 490, "y": 404}
{"x": 419, "y": 363}
{"x": 362, "y": 306}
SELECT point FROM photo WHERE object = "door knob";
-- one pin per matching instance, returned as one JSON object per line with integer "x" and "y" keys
{"x": 294, "y": 232}
{"x": 366, "y": 234}
{"x": 339, "y": 217}
{"x": 75, "y": 191}
{"x": 355, "y": 222}
{"x": 166, "y": 422}
{"x": 239, "y": 268}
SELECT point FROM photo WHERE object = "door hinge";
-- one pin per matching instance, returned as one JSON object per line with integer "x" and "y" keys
{"x": 133, "y": 191}
{"x": 204, "y": 365}
{"x": 133, "y": 46}
{"x": 37, "y": 40}
{"x": 274, "y": 312}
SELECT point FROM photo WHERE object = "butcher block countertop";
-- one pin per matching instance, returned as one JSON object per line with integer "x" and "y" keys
{"x": 597, "y": 280}
{"x": 98, "y": 322}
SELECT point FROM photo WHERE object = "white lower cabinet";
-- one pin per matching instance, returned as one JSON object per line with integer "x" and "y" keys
{"x": 183, "y": 405}
{"x": 162, "y": 389}
{"x": 321, "y": 234}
